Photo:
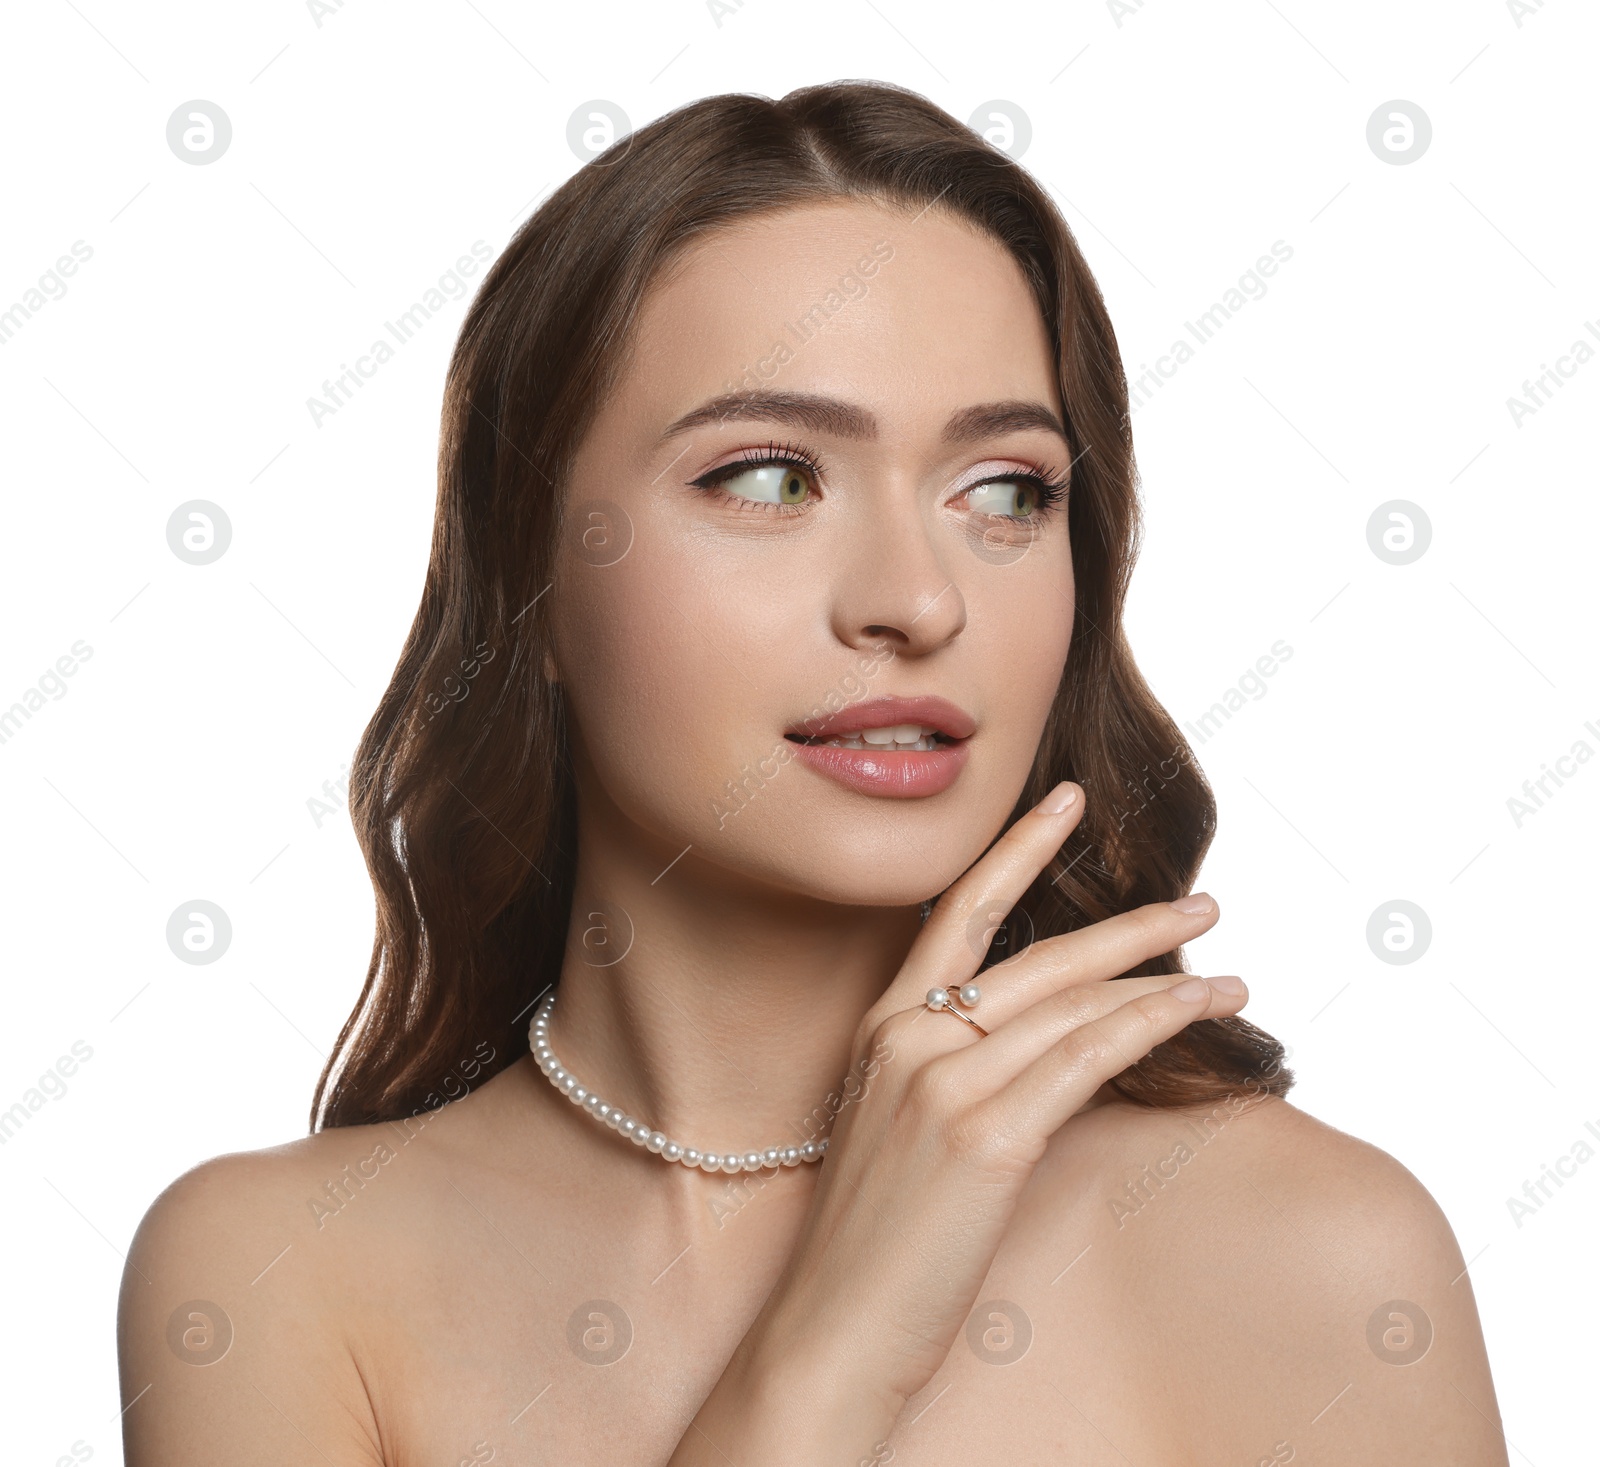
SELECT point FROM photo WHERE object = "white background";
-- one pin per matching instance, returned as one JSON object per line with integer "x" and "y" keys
{"x": 369, "y": 152}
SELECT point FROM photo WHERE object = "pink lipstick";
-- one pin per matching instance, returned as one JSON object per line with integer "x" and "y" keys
{"x": 895, "y": 748}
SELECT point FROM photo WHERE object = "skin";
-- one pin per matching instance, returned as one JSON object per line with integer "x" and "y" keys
{"x": 741, "y": 963}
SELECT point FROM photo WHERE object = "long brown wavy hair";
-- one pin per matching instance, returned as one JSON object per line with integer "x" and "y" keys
{"x": 464, "y": 805}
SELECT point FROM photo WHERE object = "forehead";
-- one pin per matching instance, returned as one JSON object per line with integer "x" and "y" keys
{"x": 915, "y": 313}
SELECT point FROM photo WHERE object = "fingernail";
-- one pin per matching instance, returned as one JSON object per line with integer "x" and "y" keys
{"x": 1194, "y": 906}
{"x": 1059, "y": 799}
{"x": 1228, "y": 984}
{"x": 1191, "y": 990}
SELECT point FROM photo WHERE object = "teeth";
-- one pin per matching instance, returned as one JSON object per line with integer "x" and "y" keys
{"x": 904, "y": 737}
{"x": 899, "y": 733}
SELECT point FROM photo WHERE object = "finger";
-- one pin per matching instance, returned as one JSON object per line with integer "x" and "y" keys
{"x": 988, "y": 1064}
{"x": 1105, "y": 949}
{"x": 1055, "y": 1086}
{"x": 948, "y": 949}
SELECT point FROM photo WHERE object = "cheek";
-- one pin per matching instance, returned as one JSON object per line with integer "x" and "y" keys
{"x": 662, "y": 672}
{"x": 1020, "y": 629}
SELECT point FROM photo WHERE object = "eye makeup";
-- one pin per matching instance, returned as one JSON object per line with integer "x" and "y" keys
{"x": 792, "y": 491}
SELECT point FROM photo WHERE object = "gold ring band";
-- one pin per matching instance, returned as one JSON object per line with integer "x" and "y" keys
{"x": 950, "y": 1008}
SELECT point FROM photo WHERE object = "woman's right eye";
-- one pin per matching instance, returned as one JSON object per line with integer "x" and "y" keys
{"x": 768, "y": 484}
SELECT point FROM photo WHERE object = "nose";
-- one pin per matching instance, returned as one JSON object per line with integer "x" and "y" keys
{"x": 898, "y": 590}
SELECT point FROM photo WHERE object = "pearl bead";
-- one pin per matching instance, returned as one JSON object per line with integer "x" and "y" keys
{"x": 937, "y": 998}
{"x": 657, "y": 1142}
{"x": 970, "y": 994}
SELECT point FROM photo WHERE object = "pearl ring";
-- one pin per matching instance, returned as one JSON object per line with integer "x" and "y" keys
{"x": 945, "y": 1000}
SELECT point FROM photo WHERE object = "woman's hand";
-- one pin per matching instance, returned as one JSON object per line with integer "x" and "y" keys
{"x": 927, "y": 1162}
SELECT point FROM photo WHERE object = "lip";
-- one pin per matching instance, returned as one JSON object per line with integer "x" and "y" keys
{"x": 904, "y": 774}
{"x": 936, "y": 713}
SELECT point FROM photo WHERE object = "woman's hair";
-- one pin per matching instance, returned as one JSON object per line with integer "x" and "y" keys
{"x": 462, "y": 790}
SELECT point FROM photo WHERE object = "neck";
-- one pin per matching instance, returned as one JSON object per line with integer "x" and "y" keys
{"x": 718, "y": 1010}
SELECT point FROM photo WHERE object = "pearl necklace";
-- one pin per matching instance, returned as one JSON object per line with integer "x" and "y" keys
{"x": 641, "y": 1134}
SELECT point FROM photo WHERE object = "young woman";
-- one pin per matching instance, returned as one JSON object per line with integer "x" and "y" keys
{"x": 783, "y": 869}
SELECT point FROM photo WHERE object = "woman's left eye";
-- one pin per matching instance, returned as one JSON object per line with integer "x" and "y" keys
{"x": 1015, "y": 498}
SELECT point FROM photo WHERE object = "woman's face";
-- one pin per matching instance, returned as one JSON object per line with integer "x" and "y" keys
{"x": 815, "y": 592}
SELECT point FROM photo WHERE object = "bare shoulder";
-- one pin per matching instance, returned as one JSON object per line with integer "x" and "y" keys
{"x": 1254, "y": 1169}
{"x": 1342, "y": 1191}
{"x": 1301, "y": 1283}
{"x": 1346, "y": 1209}
{"x": 230, "y": 1340}
{"x": 247, "y": 1299}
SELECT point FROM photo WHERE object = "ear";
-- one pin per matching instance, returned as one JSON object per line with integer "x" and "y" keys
{"x": 551, "y": 675}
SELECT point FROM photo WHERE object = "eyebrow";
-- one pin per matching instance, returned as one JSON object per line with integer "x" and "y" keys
{"x": 846, "y": 420}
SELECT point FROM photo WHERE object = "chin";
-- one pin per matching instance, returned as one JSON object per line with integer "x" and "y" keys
{"x": 856, "y": 851}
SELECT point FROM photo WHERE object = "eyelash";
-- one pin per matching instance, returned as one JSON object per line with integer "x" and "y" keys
{"x": 1051, "y": 484}
{"x": 787, "y": 454}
